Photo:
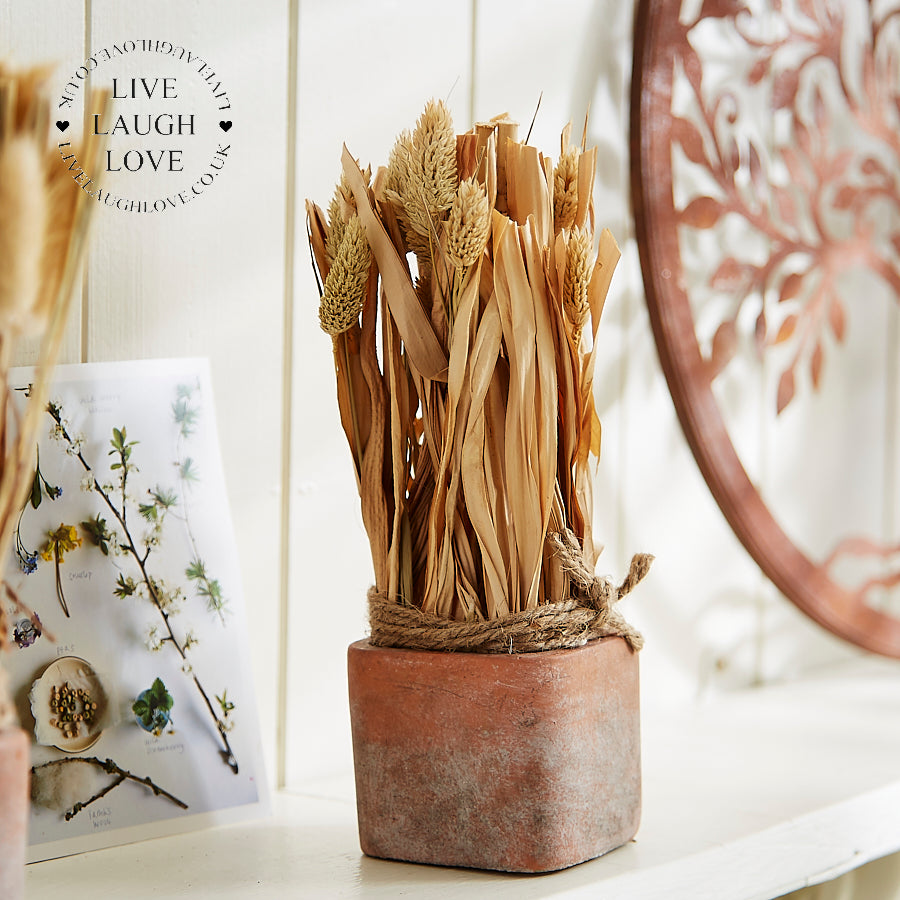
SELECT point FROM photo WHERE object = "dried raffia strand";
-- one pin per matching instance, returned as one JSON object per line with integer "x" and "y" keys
{"x": 565, "y": 190}
{"x": 43, "y": 228}
{"x": 469, "y": 224}
{"x": 345, "y": 286}
{"x": 576, "y": 282}
{"x": 23, "y": 224}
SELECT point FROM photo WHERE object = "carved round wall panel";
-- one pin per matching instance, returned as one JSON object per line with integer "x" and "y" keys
{"x": 765, "y": 149}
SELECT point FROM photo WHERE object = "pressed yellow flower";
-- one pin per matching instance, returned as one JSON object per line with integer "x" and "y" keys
{"x": 60, "y": 542}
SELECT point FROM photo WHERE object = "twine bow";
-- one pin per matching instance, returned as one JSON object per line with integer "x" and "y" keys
{"x": 599, "y": 592}
{"x": 589, "y": 613}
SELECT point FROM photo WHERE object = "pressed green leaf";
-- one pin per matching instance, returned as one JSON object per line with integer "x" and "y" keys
{"x": 195, "y": 570}
{"x": 188, "y": 470}
{"x": 148, "y": 511}
{"x": 36, "y": 493}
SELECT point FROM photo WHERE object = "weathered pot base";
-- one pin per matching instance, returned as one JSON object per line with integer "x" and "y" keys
{"x": 520, "y": 763}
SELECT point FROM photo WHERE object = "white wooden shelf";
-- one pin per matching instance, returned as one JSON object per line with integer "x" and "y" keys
{"x": 746, "y": 797}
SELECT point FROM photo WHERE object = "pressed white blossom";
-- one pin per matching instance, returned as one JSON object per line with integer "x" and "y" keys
{"x": 154, "y": 641}
{"x": 76, "y": 444}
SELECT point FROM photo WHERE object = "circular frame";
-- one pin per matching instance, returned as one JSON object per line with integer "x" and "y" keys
{"x": 658, "y": 36}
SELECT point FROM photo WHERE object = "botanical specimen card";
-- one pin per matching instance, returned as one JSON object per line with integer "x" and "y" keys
{"x": 132, "y": 674}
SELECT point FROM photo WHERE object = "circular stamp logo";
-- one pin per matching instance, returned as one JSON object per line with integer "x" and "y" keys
{"x": 166, "y": 132}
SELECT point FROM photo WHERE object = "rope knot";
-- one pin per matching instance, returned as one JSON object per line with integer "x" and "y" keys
{"x": 589, "y": 613}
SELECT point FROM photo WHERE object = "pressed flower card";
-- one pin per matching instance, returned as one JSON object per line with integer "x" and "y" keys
{"x": 132, "y": 673}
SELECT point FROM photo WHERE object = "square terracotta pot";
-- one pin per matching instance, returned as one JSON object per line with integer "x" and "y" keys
{"x": 521, "y": 763}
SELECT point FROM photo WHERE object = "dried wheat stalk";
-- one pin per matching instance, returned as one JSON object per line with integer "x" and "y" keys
{"x": 43, "y": 230}
{"x": 471, "y": 434}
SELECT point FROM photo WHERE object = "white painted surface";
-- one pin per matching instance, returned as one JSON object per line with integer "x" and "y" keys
{"x": 744, "y": 799}
{"x": 228, "y": 275}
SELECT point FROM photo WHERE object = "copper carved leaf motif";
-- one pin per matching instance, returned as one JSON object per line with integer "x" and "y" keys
{"x": 766, "y": 188}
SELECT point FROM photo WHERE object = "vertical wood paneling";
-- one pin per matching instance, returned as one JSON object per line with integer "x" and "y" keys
{"x": 365, "y": 73}
{"x": 530, "y": 51}
{"x": 46, "y": 32}
{"x": 207, "y": 279}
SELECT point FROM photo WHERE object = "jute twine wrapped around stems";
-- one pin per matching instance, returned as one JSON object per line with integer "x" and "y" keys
{"x": 590, "y": 613}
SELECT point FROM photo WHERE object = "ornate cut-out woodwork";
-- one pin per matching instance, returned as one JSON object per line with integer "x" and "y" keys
{"x": 766, "y": 189}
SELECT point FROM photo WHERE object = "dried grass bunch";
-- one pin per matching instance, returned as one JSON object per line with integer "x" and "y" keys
{"x": 43, "y": 228}
{"x": 462, "y": 289}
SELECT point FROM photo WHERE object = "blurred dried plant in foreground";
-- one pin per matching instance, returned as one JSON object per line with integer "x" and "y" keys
{"x": 43, "y": 230}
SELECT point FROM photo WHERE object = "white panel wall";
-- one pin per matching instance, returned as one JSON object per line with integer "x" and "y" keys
{"x": 229, "y": 277}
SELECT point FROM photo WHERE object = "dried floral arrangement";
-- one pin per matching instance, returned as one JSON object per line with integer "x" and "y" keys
{"x": 462, "y": 289}
{"x": 43, "y": 231}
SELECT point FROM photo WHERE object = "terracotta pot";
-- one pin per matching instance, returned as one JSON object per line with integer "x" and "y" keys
{"x": 15, "y": 768}
{"x": 522, "y": 763}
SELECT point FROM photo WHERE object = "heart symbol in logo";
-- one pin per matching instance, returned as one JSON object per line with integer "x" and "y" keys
{"x": 62, "y": 126}
{"x": 224, "y": 125}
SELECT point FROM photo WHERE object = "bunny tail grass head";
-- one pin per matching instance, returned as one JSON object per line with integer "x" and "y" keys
{"x": 345, "y": 286}
{"x": 470, "y": 223}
